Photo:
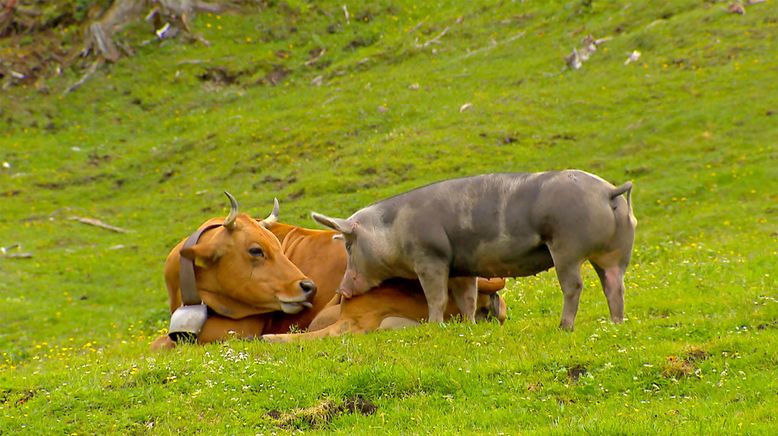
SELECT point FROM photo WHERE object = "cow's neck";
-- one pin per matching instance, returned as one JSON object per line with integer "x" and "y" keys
{"x": 282, "y": 230}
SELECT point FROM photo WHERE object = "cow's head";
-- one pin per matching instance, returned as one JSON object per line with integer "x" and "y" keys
{"x": 242, "y": 271}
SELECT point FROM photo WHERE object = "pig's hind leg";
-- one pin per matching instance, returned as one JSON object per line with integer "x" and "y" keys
{"x": 434, "y": 280}
{"x": 465, "y": 292}
{"x": 612, "y": 280}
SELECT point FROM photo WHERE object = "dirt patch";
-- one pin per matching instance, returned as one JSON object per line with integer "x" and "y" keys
{"x": 359, "y": 42}
{"x": 534, "y": 387}
{"x": 679, "y": 367}
{"x": 321, "y": 414}
{"x": 575, "y": 372}
{"x": 276, "y": 75}
{"x": 74, "y": 182}
{"x": 297, "y": 194}
{"x": 220, "y": 76}
{"x": 696, "y": 354}
{"x": 25, "y": 397}
{"x": 676, "y": 367}
{"x": 223, "y": 76}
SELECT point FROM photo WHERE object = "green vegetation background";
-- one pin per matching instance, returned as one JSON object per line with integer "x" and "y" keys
{"x": 149, "y": 143}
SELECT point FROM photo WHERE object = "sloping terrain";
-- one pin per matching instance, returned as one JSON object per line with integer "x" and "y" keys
{"x": 330, "y": 109}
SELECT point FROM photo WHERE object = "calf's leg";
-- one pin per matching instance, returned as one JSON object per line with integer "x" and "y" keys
{"x": 337, "y": 328}
{"x": 328, "y": 316}
{"x": 465, "y": 292}
{"x": 396, "y": 322}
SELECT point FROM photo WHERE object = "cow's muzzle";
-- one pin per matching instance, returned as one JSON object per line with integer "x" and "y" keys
{"x": 187, "y": 322}
{"x": 296, "y": 305}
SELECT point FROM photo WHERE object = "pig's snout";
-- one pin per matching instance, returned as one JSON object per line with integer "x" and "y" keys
{"x": 348, "y": 284}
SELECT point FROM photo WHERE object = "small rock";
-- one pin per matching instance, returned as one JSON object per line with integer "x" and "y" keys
{"x": 736, "y": 8}
{"x": 573, "y": 60}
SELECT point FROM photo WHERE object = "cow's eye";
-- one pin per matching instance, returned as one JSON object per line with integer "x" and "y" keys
{"x": 348, "y": 246}
{"x": 256, "y": 252}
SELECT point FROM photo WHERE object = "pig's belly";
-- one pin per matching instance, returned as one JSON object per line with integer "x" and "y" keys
{"x": 507, "y": 263}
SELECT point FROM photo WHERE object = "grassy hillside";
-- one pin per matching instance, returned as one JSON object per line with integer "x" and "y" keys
{"x": 293, "y": 101}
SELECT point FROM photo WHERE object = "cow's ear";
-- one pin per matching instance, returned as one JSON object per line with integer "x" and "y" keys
{"x": 339, "y": 225}
{"x": 203, "y": 255}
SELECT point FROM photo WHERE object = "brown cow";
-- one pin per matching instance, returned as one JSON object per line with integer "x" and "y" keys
{"x": 322, "y": 259}
{"x": 396, "y": 303}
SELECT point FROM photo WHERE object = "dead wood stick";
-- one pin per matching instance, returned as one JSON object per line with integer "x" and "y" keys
{"x": 18, "y": 255}
{"x": 435, "y": 40}
{"x": 315, "y": 58}
{"x": 98, "y": 223}
{"x": 6, "y": 15}
{"x": 105, "y": 45}
{"x": 86, "y": 77}
{"x": 6, "y": 252}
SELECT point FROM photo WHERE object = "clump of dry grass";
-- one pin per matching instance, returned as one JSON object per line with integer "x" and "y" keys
{"x": 322, "y": 413}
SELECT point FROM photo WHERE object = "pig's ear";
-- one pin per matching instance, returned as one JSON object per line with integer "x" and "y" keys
{"x": 337, "y": 224}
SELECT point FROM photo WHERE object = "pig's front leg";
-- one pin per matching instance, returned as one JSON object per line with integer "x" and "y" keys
{"x": 465, "y": 292}
{"x": 434, "y": 280}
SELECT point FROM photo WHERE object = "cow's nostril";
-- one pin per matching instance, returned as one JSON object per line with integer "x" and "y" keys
{"x": 308, "y": 286}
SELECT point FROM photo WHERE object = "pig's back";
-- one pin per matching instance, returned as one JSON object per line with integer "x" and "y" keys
{"x": 486, "y": 221}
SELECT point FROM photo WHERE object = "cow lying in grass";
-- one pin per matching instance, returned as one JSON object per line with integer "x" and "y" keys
{"x": 248, "y": 298}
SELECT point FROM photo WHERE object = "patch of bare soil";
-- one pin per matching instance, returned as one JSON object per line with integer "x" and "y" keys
{"x": 321, "y": 414}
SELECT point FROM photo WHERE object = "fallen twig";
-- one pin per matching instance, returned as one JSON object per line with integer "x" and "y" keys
{"x": 589, "y": 45}
{"x": 6, "y": 15}
{"x": 494, "y": 44}
{"x": 98, "y": 223}
{"x": 435, "y": 40}
{"x": 315, "y": 58}
{"x": 86, "y": 77}
{"x": 5, "y": 252}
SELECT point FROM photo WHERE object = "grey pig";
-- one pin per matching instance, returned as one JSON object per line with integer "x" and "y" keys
{"x": 493, "y": 225}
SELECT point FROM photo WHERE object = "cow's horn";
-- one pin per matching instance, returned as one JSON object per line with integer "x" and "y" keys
{"x": 229, "y": 222}
{"x": 273, "y": 217}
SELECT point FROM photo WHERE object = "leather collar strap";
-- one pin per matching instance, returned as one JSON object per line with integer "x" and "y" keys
{"x": 186, "y": 274}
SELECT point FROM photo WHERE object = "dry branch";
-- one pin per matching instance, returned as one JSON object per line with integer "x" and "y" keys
{"x": 98, "y": 223}
{"x": 86, "y": 77}
{"x": 435, "y": 40}
{"x": 6, "y": 252}
{"x": 6, "y": 15}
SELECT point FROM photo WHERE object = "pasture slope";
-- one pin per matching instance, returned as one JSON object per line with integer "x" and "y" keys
{"x": 404, "y": 93}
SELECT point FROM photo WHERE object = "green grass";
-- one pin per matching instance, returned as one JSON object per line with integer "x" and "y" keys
{"x": 148, "y": 145}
